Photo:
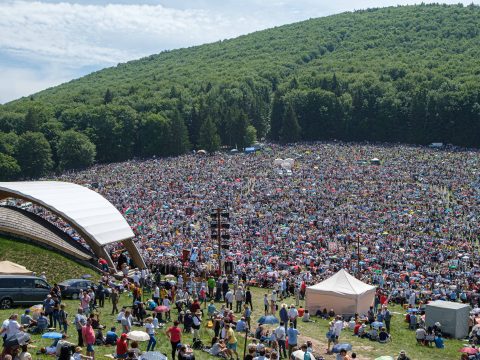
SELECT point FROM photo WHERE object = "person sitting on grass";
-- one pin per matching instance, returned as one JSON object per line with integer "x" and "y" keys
{"x": 306, "y": 317}
{"x": 77, "y": 355}
{"x": 383, "y": 336}
{"x": 134, "y": 348}
{"x": 420, "y": 335}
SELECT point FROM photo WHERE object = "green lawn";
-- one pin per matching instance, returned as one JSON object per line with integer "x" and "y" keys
{"x": 59, "y": 268}
{"x": 56, "y": 266}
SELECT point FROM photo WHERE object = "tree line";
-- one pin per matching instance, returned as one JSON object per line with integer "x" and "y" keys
{"x": 400, "y": 74}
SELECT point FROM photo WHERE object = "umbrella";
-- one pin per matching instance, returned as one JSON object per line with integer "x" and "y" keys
{"x": 377, "y": 324}
{"x": 162, "y": 309}
{"x": 149, "y": 249}
{"x": 300, "y": 355}
{"x": 339, "y": 347}
{"x": 169, "y": 276}
{"x": 412, "y": 310}
{"x": 52, "y": 335}
{"x": 138, "y": 336}
{"x": 384, "y": 357}
{"x": 469, "y": 350}
{"x": 268, "y": 319}
{"x": 153, "y": 355}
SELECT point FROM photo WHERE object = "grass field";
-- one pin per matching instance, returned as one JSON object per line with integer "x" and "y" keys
{"x": 56, "y": 266}
{"x": 59, "y": 268}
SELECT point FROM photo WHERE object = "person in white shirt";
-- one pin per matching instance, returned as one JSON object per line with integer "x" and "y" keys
{"x": 156, "y": 294}
{"x": 293, "y": 315}
{"x": 229, "y": 299}
{"x": 337, "y": 328}
{"x": 150, "y": 330}
{"x": 280, "y": 335}
{"x": 13, "y": 327}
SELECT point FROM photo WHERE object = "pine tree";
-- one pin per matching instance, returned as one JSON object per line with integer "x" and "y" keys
{"x": 291, "y": 131}
{"x": 209, "y": 138}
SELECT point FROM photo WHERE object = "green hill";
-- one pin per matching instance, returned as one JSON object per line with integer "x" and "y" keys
{"x": 57, "y": 267}
{"x": 398, "y": 74}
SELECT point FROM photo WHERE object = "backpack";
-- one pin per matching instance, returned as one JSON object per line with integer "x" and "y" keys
{"x": 197, "y": 344}
{"x": 307, "y": 356}
{"x": 65, "y": 352}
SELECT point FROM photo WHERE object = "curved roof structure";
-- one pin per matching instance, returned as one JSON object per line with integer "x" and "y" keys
{"x": 93, "y": 216}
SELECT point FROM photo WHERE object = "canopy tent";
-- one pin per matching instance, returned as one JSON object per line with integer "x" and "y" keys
{"x": 342, "y": 292}
{"x": 452, "y": 316}
{"x": 10, "y": 268}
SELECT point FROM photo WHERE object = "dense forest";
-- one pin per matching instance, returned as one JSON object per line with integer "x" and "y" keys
{"x": 399, "y": 74}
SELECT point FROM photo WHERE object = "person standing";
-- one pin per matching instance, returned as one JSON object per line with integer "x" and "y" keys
{"x": 79, "y": 321}
{"x": 239, "y": 299}
{"x": 156, "y": 294}
{"x": 387, "y": 317}
{"x": 101, "y": 295}
{"x": 280, "y": 335}
{"x": 114, "y": 299}
{"x": 150, "y": 330}
{"x": 48, "y": 304}
{"x": 174, "y": 334}
{"x": 337, "y": 328}
{"x": 292, "y": 335}
{"x": 293, "y": 315}
{"x": 127, "y": 321}
{"x": 211, "y": 287}
{"x": 62, "y": 319}
{"x": 197, "y": 322}
{"x": 88, "y": 335}
{"x": 248, "y": 298}
{"x": 229, "y": 299}
{"x": 231, "y": 341}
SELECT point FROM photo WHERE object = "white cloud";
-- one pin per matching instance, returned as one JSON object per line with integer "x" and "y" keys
{"x": 68, "y": 35}
{"x": 18, "y": 82}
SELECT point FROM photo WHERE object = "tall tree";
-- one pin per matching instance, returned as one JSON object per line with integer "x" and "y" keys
{"x": 9, "y": 168}
{"x": 34, "y": 154}
{"x": 179, "y": 143}
{"x": 276, "y": 116}
{"x": 209, "y": 138}
{"x": 291, "y": 131}
{"x": 108, "y": 97}
{"x": 75, "y": 151}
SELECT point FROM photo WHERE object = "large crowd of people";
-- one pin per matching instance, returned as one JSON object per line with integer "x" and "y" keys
{"x": 407, "y": 223}
{"x": 412, "y": 219}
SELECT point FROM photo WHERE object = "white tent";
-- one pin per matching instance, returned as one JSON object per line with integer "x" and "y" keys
{"x": 342, "y": 292}
{"x": 10, "y": 268}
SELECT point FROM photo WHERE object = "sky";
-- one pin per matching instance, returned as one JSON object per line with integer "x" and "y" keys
{"x": 44, "y": 43}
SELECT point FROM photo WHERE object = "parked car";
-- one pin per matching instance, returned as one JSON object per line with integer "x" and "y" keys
{"x": 71, "y": 288}
{"x": 22, "y": 290}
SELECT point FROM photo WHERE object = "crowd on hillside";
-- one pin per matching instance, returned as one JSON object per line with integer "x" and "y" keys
{"x": 413, "y": 218}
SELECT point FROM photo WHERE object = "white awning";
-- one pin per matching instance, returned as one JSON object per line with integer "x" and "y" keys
{"x": 85, "y": 209}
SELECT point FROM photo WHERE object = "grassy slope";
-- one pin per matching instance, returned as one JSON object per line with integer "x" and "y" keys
{"x": 402, "y": 338}
{"x": 34, "y": 258}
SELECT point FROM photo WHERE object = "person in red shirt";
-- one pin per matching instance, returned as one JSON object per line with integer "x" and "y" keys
{"x": 355, "y": 329}
{"x": 88, "y": 335}
{"x": 195, "y": 306}
{"x": 174, "y": 333}
{"x": 122, "y": 347}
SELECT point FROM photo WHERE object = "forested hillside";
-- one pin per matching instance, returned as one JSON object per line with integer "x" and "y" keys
{"x": 400, "y": 74}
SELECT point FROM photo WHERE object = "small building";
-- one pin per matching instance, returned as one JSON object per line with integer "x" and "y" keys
{"x": 452, "y": 316}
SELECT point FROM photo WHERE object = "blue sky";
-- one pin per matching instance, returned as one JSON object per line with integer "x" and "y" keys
{"x": 47, "y": 42}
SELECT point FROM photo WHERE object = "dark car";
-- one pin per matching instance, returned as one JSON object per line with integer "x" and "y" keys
{"x": 71, "y": 288}
{"x": 22, "y": 290}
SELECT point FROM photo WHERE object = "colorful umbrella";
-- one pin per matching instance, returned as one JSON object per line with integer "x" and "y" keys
{"x": 52, "y": 335}
{"x": 268, "y": 319}
{"x": 162, "y": 309}
{"x": 339, "y": 347}
{"x": 469, "y": 350}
